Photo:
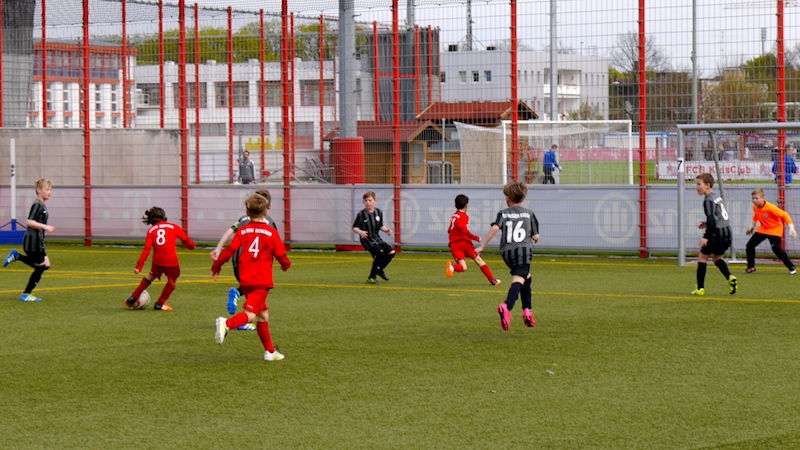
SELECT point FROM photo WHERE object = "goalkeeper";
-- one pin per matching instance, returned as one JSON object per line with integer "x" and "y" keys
{"x": 771, "y": 221}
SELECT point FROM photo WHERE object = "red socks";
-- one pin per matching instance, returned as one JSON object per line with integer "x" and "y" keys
{"x": 237, "y": 320}
{"x": 457, "y": 267}
{"x": 262, "y": 328}
{"x": 488, "y": 273}
{"x": 144, "y": 284}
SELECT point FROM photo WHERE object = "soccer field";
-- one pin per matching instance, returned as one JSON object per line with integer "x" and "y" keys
{"x": 622, "y": 357}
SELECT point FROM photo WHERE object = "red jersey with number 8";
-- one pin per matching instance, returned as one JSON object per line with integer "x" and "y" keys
{"x": 261, "y": 245}
{"x": 162, "y": 238}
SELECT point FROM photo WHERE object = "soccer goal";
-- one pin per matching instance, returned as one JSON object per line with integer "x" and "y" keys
{"x": 589, "y": 151}
{"x": 740, "y": 156}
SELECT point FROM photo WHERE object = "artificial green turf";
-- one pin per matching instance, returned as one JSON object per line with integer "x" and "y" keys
{"x": 622, "y": 357}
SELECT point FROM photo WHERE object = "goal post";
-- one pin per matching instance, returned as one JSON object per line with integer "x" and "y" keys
{"x": 588, "y": 143}
{"x": 755, "y": 146}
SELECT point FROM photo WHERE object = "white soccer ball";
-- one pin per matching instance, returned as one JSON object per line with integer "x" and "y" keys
{"x": 143, "y": 300}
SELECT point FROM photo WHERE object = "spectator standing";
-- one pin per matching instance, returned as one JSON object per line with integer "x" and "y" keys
{"x": 246, "y": 169}
{"x": 789, "y": 166}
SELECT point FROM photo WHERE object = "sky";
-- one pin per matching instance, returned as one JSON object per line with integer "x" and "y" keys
{"x": 728, "y": 32}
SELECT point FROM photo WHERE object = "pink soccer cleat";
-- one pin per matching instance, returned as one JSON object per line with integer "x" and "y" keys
{"x": 527, "y": 317}
{"x": 505, "y": 316}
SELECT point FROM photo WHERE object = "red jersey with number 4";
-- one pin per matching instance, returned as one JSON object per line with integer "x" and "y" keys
{"x": 459, "y": 228}
{"x": 261, "y": 245}
{"x": 162, "y": 238}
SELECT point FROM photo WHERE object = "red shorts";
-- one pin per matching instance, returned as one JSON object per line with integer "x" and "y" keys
{"x": 172, "y": 273}
{"x": 256, "y": 299}
{"x": 462, "y": 249}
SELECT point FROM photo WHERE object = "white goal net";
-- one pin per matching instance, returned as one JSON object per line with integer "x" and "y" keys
{"x": 589, "y": 151}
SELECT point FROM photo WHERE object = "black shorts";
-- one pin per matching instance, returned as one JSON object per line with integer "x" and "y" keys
{"x": 522, "y": 270}
{"x": 376, "y": 248}
{"x": 37, "y": 258}
{"x": 716, "y": 247}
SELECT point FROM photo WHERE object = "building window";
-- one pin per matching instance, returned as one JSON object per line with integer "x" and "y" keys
{"x": 49, "y": 95}
{"x": 476, "y": 77}
{"x": 309, "y": 92}
{"x": 488, "y": 75}
{"x": 66, "y": 99}
{"x": 305, "y": 128}
{"x": 210, "y": 129}
{"x": 151, "y": 94}
{"x": 98, "y": 100}
{"x": 249, "y": 129}
{"x": 442, "y": 77}
{"x": 68, "y": 122}
{"x": 241, "y": 94}
{"x": 462, "y": 76}
{"x": 114, "y": 100}
{"x": 272, "y": 95}
{"x": 115, "y": 122}
{"x": 191, "y": 95}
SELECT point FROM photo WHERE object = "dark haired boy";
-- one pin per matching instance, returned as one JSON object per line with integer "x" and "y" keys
{"x": 162, "y": 238}
{"x": 461, "y": 242}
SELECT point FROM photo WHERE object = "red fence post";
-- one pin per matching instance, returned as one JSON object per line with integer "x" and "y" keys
{"x": 87, "y": 131}
{"x": 183, "y": 121}
{"x": 642, "y": 137}
{"x": 197, "y": 94}
{"x": 44, "y": 64}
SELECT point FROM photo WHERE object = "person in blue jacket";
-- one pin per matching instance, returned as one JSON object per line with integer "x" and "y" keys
{"x": 549, "y": 163}
{"x": 789, "y": 166}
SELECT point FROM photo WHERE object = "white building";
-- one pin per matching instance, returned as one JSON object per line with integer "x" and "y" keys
{"x": 472, "y": 76}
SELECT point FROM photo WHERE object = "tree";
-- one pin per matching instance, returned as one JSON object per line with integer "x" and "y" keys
{"x": 246, "y": 44}
{"x": 735, "y": 98}
{"x": 585, "y": 112}
{"x": 625, "y": 55}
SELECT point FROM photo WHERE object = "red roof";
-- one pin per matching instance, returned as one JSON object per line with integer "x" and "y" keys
{"x": 475, "y": 111}
{"x": 379, "y": 131}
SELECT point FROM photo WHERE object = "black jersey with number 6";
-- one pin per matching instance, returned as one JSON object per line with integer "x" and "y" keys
{"x": 518, "y": 226}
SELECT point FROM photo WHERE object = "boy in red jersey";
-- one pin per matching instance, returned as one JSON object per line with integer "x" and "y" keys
{"x": 260, "y": 245}
{"x": 771, "y": 220}
{"x": 234, "y": 293}
{"x": 461, "y": 242}
{"x": 161, "y": 237}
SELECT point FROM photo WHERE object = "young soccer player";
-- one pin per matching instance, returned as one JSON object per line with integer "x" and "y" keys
{"x": 520, "y": 230}
{"x": 461, "y": 242}
{"x": 771, "y": 220}
{"x": 235, "y": 293}
{"x": 33, "y": 241}
{"x": 260, "y": 245}
{"x": 717, "y": 236}
{"x": 161, "y": 237}
{"x": 367, "y": 225}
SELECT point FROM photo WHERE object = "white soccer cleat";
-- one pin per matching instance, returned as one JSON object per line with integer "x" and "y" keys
{"x": 222, "y": 330}
{"x": 274, "y": 356}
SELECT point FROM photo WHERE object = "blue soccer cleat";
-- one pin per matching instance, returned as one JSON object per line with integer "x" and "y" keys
{"x": 29, "y": 298}
{"x": 13, "y": 255}
{"x": 233, "y": 297}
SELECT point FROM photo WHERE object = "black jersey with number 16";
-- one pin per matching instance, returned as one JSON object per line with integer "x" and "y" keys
{"x": 518, "y": 226}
